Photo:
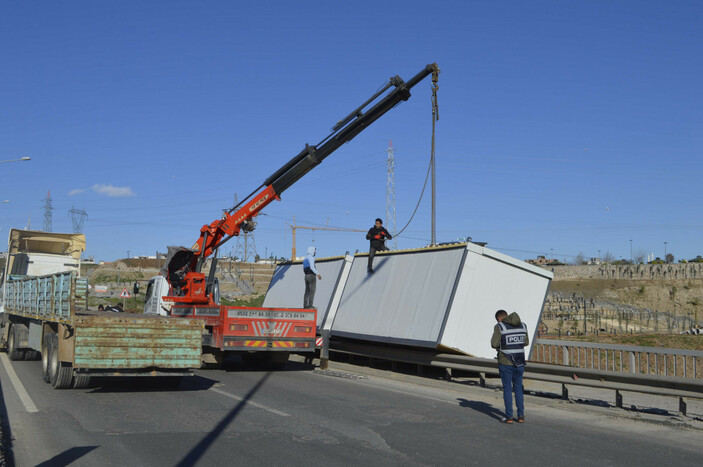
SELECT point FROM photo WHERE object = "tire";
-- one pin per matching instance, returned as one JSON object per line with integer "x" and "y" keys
{"x": 60, "y": 373}
{"x": 81, "y": 381}
{"x": 30, "y": 354}
{"x": 12, "y": 350}
{"x": 46, "y": 357}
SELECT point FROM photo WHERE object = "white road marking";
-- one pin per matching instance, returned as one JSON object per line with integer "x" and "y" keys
{"x": 17, "y": 384}
{"x": 252, "y": 403}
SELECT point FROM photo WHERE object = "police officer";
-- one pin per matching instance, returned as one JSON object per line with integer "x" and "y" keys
{"x": 510, "y": 339}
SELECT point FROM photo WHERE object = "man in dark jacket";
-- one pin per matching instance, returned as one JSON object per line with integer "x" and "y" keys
{"x": 378, "y": 236}
{"x": 510, "y": 339}
{"x": 119, "y": 308}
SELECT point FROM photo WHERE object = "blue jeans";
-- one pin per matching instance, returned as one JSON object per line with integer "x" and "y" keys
{"x": 511, "y": 376}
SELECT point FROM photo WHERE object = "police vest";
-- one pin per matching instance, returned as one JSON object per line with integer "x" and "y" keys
{"x": 512, "y": 342}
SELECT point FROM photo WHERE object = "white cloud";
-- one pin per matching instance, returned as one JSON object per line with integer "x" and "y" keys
{"x": 113, "y": 191}
{"x": 76, "y": 191}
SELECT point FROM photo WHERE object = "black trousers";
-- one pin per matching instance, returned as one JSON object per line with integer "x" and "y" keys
{"x": 310, "y": 286}
{"x": 372, "y": 253}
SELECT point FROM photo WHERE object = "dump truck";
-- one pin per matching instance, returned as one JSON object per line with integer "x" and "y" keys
{"x": 183, "y": 289}
{"x": 44, "y": 312}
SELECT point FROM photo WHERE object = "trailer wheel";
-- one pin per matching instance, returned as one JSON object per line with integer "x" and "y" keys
{"x": 81, "y": 381}
{"x": 12, "y": 351}
{"x": 61, "y": 373}
{"x": 45, "y": 357}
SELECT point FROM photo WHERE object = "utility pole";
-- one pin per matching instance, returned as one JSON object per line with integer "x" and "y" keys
{"x": 435, "y": 117}
{"x": 78, "y": 219}
{"x": 665, "y": 251}
{"x": 47, "y": 213}
{"x": 630, "y": 251}
{"x": 246, "y": 246}
{"x": 390, "y": 195}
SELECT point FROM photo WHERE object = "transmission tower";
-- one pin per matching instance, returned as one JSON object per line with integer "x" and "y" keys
{"x": 47, "y": 212}
{"x": 78, "y": 218}
{"x": 390, "y": 195}
{"x": 245, "y": 249}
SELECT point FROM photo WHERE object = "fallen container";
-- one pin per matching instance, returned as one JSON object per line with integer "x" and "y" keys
{"x": 441, "y": 297}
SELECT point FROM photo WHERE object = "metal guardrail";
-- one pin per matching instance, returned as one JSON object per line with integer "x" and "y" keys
{"x": 620, "y": 358}
{"x": 565, "y": 375}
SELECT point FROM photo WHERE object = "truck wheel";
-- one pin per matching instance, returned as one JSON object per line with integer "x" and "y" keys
{"x": 12, "y": 351}
{"x": 45, "y": 357}
{"x": 81, "y": 381}
{"x": 61, "y": 373}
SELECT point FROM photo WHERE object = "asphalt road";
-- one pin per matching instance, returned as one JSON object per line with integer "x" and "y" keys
{"x": 303, "y": 417}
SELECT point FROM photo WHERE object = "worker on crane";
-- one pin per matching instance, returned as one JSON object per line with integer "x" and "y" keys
{"x": 378, "y": 236}
{"x": 311, "y": 276}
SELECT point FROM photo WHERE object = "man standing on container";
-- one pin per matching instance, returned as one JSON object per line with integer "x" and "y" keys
{"x": 510, "y": 339}
{"x": 311, "y": 276}
{"x": 378, "y": 236}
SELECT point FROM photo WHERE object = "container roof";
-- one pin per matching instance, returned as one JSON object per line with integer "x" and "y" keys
{"x": 33, "y": 241}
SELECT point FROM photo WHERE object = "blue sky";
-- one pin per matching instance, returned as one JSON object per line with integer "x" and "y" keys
{"x": 564, "y": 126}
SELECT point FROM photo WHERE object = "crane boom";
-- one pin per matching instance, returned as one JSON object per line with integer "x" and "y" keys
{"x": 190, "y": 283}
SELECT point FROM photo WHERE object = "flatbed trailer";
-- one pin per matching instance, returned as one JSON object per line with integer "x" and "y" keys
{"x": 48, "y": 316}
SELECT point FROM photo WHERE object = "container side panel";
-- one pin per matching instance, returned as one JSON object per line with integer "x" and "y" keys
{"x": 487, "y": 285}
{"x": 404, "y": 301}
{"x": 287, "y": 287}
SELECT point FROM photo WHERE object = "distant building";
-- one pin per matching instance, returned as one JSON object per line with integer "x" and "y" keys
{"x": 543, "y": 261}
{"x": 540, "y": 261}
